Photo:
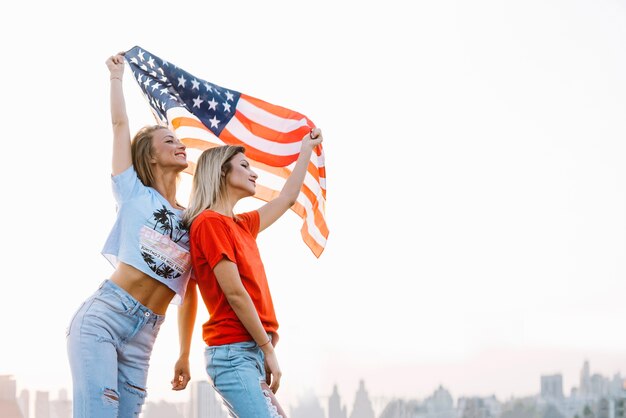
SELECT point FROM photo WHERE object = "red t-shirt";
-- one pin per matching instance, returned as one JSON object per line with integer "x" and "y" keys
{"x": 214, "y": 237}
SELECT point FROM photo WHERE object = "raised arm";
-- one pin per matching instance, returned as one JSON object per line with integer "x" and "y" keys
{"x": 275, "y": 208}
{"x": 186, "y": 321}
{"x": 227, "y": 276}
{"x": 119, "y": 119}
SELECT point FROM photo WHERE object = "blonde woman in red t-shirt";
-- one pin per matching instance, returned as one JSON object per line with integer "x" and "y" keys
{"x": 242, "y": 329}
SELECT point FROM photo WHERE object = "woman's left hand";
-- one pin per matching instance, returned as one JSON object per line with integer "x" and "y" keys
{"x": 312, "y": 139}
{"x": 181, "y": 374}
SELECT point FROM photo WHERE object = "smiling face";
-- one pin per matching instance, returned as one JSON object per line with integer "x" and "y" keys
{"x": 168, "y": 151}
{"x": 240, "y": 179}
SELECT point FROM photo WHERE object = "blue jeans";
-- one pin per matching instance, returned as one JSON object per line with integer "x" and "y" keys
{"x": 236, "y": 371}
{"x": 109, "y": 342}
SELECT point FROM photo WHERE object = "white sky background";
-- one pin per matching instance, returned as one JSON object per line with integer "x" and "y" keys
{"x": 476, "y": 184}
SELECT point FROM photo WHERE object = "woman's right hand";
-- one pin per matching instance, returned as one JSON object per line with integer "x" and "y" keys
{"x": 272, "y": 369}
{"x": 115, "y": 64}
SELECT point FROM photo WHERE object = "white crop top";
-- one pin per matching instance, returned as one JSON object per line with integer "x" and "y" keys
{"x": 148, "y": 234}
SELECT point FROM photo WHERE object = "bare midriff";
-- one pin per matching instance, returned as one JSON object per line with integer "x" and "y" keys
{"x": 151, "y": 293}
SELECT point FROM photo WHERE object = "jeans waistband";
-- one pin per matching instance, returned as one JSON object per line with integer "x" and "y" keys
{"x": 137, "y": 306}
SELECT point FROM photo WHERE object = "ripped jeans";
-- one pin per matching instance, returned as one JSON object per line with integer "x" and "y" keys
{"x": 109, "y": 342}
{"x": 237, "y": 372}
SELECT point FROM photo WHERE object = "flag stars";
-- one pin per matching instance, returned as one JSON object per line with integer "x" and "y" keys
{"x": 155, "y": 86}
{"x": 226, "y": 106}
{"x": 134, "y": 61}
{"x": 147, "y": 83}
{"x": 181, "y": 81}
{"x": 208, "y": 87}
{"x": 197, "y": 101}
{"x": 229, "y": 96}
{"x": 151, "y": 62}
{"x": 164, "y": 90}
{"x": 214, "y": 121}
{"x": 212, "y": 104}
{"x": 140, "y": 55}
{"x": 195, "y": 84}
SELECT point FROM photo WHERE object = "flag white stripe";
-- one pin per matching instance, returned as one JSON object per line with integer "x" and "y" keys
{"x": 263, "y": 117}
{"x": 269, "y": 147}
{"x": 310, "y": 223}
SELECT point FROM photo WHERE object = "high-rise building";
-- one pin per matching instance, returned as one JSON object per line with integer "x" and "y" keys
{"x": 23, "y": 402}
{"x": 584, "y": 388}
{"x": 440, "y": 404}
{"x": 308, "y": 407}
{"x": 477, "y": 407}
{"x": 552, "y": 387}
{"x": 362, "y": 404}
{"x": 42, "y": 404}
{"x": 204, "y": 402}
{"x": 335, "y": 409}
{"x": 8, "y": 402}
{"x": 62, "y": 406}
{"x": 161, "y": 409}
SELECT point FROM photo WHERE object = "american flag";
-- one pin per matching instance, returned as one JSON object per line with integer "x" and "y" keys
{"x": 205, "y": 115}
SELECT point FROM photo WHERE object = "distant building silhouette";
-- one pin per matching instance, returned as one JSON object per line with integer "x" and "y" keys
{"x": 476, "y": 407}
{"x": 61, "y": 407}
{"x": 308, "y": 407}
{"x": 584, "y": 387}
{"x": 440, "y": 404}
{"x": 335, "y": 409}
{"x": 9, "y": 407}
{"x": 42, "y": 404}
{"x": 161, "y": 409}
{"x": 399, "y": 408}
{"x": 204, "y": 402}
{"x": 362, "y": 404}
{"x": 552, "y": 387}
{"x": 24, "y": 403}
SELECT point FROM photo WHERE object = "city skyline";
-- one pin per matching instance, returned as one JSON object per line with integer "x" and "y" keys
{"x": 203, "y": 402}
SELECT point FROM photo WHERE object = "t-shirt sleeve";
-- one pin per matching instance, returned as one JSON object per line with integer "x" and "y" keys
{"x": 126, "y": 184}
{"x": 252, "y": 221}
{"x": 214, "y": 240}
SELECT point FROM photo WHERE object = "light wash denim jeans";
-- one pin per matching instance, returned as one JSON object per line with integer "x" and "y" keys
{"x": 236, "y": 371}
{"x": 109, "y": 342}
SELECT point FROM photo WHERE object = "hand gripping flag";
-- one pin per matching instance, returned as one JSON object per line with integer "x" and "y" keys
{"x": 205, "y": 115}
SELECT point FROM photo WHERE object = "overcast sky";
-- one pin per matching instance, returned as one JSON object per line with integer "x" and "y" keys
{"x": 476, "y": 184}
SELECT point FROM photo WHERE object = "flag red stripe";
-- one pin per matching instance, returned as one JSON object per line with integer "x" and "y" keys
{"x": 254, "y": 153}
{"x": 277, "y": 110}
{"x": 263, "y": 131}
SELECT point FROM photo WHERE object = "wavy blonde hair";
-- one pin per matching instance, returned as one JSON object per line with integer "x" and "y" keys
{"x": 141, "y": 151}
{"x": 209, "y": 181}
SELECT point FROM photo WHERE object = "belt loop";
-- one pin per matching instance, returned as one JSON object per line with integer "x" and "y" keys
{"x": 135, "y": 308}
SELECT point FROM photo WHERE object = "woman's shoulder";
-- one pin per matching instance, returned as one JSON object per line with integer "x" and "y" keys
{"x": 207, "y": 217}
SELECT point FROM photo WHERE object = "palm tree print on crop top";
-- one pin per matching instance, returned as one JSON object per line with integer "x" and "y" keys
{"x": 167, "y": 223}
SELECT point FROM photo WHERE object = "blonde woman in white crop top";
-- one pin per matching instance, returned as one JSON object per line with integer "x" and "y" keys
{"x": 110, "y": 337}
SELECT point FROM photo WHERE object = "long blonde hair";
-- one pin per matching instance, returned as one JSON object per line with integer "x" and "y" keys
{"x": 141, "y": 151}
{"x": 209, "y": 181}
